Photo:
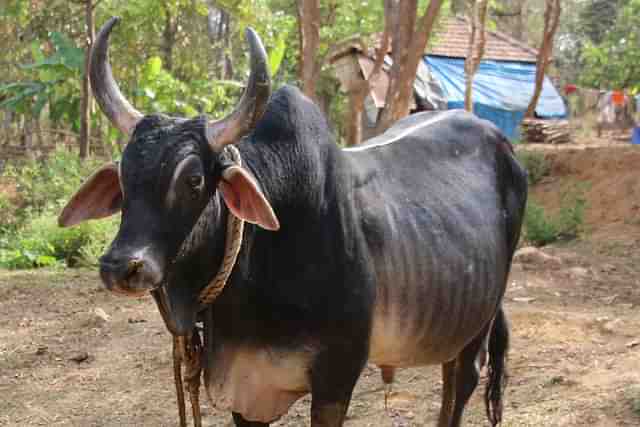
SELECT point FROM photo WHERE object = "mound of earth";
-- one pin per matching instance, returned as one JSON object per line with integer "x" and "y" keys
{"x": 607, "y": 177}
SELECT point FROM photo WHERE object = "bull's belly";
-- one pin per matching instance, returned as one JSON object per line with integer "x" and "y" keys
{"x": 261, "y": 384}
{"x": 397, "y": 341}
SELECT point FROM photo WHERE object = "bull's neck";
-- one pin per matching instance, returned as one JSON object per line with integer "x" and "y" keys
{"x": 204, "y": 247}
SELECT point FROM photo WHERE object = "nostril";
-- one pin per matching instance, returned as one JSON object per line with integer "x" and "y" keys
{"x": 129, "y": 273}
{"x": 119, "y": 269}
{"x": 133, "y": 267}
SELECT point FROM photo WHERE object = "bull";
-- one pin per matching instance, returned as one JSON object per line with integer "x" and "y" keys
{"x": 395, "y": 252}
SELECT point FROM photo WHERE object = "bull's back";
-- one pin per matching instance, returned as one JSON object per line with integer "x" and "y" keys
{"x": 433, "y": 217}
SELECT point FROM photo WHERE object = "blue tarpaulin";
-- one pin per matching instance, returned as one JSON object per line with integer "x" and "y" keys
{"x": 501, "y": 91}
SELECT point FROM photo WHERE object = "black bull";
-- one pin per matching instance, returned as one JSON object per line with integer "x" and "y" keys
{"x": 396, "y": 251}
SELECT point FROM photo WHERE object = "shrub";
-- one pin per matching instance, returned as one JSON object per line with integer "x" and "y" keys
{"x": 541, "y": 228}
{"x": 47, "y": 185}
{"x": 40, "y": 242}
{"x": 571, "y": 216}
{"x": 101, "y": 234}
{"x": 535, "y": 163}
{"x": 29, "y": 233}
{"x": 9, "y": 218}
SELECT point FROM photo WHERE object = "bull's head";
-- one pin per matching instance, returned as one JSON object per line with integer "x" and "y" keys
{"x": 171, "y": 170}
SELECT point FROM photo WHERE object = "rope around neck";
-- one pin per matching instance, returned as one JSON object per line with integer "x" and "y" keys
{"x": 233, "y": 243}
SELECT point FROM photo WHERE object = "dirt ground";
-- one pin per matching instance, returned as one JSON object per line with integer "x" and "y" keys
{"x": 73, "y": 354}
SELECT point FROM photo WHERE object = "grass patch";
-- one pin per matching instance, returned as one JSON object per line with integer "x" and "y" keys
{"x": 535, "y": 163}
{"x": 541, "y": 228}
{"x": 41, "y": 243}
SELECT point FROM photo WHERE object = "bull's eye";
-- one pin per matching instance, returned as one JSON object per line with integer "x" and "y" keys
{"x": 195, "y": 183}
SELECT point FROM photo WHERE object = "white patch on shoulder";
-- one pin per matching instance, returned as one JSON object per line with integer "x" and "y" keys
{"x": 399, "y": 136}
{"x": 261, "y": 384}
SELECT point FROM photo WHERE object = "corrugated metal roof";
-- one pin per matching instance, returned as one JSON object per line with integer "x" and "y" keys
{"x": 452, "y": 40}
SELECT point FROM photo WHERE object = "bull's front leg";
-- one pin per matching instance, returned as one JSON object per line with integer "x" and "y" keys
{"x": 334, "y": 374}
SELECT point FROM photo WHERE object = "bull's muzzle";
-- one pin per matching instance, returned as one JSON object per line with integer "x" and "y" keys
{"x": 131, "y": 276}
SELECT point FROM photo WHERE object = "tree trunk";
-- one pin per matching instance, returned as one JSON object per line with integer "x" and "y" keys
{"x": 511, "y": 17}
{"x": 85, "y": 107}
{"x": 7, "y": 127}
{"x": 409, "y": 43}
{"x": 475, "y": 52}
{"x": 551, "y": 18}
{"x": 27, "y": 142}
{"x": 309, "y": 33}
{"x": 219, "y": 31}
{"x": 38, "y": 130}
{"x": 520, "y": 25}
{"x": 227, "y": 59}
{"x": 354, "y": 124}
{"x": 214, "y": 18}
{"x": 358, "y": 94}
{"x": 458, "y": 7}
{"x": 169, "y": 39}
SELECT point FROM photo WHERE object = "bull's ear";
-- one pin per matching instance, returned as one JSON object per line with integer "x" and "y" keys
{"x": 98, "y": 197}
{"x": 245, "y": 200}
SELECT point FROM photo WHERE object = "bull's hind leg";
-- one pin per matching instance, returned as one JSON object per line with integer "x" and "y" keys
{"x": 241, "y": 422}
{"x": 467, "y": 374}
{"x": 448, "y": 393}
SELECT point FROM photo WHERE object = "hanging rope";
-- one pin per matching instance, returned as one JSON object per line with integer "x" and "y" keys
{"x": 187, "y": 350}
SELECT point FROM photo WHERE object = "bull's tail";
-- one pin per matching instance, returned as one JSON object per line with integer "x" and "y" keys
{"x": 497, "y": 368}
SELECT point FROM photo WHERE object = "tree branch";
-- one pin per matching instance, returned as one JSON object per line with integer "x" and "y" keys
{"x": 408, "y": 49}
{"x": 502, "y": 14}
{"x": 551, "y": 20}
{"x": 95, "y": 5}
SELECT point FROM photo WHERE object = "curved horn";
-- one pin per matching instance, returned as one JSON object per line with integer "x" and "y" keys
{"x": 112, "y": 103}
{"x": 252, "y": 104}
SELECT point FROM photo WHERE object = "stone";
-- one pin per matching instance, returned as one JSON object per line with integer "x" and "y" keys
{"x": 80, "y": 357}
{"x": 531, "y": 255}
{"x": 101, "y": 314}
{"x": 578, "y": 272}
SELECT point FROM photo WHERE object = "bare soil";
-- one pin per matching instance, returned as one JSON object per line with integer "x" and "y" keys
{"x": 73, "y": 354}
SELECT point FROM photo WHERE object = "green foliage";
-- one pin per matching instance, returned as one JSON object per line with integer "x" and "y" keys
{"x": 52, "y": 80}
{"x": 277, "y": 54}
{"x": 601, "y": 16}
{"x": 29, "y": 233}
{"x": 40, "y": 242}
{"x": 571, "y": 215}
{"x": 9, "y": 218}
{"x": 535, "y": 163}
{"x": 45, "y": 186}
{"x": 540, "y": 228}
{"x": 612, "y": 53}
{"x": 160, "y": 91}
{"x": 635, "y": 406}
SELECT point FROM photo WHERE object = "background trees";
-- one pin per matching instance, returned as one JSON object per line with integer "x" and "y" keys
{"x": 188, "y": 56}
